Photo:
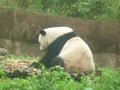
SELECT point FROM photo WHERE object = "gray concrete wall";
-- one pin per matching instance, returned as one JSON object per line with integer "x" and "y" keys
{"x": 102, "y": 37}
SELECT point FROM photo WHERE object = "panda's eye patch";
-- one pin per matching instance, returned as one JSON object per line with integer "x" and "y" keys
{"x": 42, "y": 32}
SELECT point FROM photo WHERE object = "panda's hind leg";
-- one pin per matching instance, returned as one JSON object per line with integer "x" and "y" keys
{"x": 57, "y": 61}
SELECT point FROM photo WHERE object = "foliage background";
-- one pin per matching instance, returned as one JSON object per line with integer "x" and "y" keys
{"x": 86, "y": 9}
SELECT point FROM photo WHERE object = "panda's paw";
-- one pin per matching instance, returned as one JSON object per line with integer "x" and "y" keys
{"x": 57, "y": 61}
{"x": 76, "y": 76}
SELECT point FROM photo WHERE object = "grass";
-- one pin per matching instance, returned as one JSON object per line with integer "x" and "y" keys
{"x": 57, "y": 79}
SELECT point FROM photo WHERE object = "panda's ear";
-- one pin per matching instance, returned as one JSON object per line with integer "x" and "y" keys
{"x": 42, "y": 32}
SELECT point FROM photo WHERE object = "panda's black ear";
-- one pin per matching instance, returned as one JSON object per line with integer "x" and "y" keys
{"x": 42, "y": 32}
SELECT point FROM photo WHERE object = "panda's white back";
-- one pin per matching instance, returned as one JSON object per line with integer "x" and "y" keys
{"x": 77, "y": 56}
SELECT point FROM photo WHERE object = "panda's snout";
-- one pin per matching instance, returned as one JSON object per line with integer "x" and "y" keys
{"x": 41, "y": 50}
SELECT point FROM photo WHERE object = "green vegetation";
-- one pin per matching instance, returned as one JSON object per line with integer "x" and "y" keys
{"x": 86, "y": 9}
{"x": 57, "y": 79}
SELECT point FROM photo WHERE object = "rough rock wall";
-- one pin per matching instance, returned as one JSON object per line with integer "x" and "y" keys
{"x": 102, "y": 37}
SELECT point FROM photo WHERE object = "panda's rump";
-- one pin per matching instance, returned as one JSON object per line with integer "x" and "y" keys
{"x": 77, "y": 56}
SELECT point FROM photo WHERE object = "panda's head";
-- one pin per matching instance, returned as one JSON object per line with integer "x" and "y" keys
{"x": 48, "y": 35}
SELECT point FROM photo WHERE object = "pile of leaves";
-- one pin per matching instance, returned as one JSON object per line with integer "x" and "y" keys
{"x": 20, "y": 66}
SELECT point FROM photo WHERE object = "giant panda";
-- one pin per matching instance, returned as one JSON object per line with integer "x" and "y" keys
{"x": 66, "y": 49}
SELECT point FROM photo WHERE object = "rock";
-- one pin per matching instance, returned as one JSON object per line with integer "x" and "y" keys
{"x": 3, "y": 52}
{"x": 98, "y": 72}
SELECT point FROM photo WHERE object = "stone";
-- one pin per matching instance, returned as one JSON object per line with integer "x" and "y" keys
{"x": 3, "y": 52}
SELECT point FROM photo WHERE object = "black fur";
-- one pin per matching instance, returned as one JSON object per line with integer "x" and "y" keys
{"x": 57, "y": 61}
{"x": 55, "y": 47}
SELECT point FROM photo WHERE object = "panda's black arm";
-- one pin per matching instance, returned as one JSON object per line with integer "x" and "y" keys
{"x": 50, "y": 55}
{"x": 45, "y": 61}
